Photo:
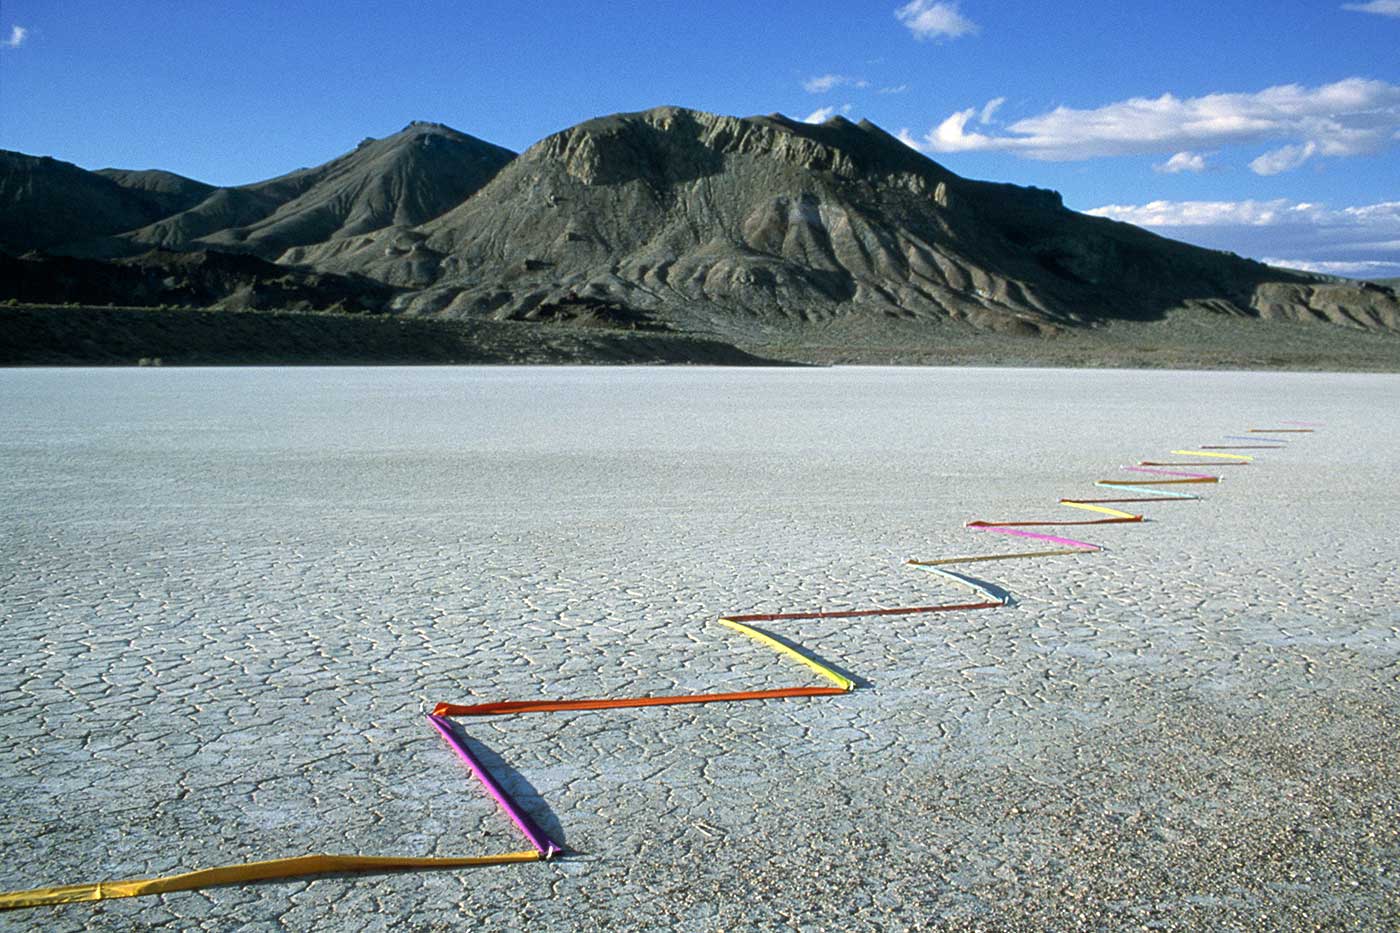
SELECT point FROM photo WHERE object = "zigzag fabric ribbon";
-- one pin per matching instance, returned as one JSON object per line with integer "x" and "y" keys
{"x": 544, "y": 846}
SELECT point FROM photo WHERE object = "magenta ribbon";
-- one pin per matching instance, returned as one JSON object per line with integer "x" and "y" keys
{"x": 537, "y": 837}
{"x": 1068, "y": 542}
{"x": 1138, "y": 469}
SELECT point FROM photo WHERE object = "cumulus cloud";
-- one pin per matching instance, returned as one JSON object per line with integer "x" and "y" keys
{"x": 905, "y": 137}
{"x": 17, "y": 36}
{"x": 990, "y": 109}
{"x": 934, "y": 20}
{"x": 1351, "y": 117}
{"x": 1182, "y": 162}
{"x": 1380, "y": 7}
{"x": 1283, "y": 159}
{"x": 1364, "y": 238}
{"x": 823, "y": 83}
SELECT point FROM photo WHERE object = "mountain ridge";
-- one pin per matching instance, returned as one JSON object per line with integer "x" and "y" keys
{"x": 402, "y": 179}
{"x": 709, "y": 220}
{"x": 729, "y": 226}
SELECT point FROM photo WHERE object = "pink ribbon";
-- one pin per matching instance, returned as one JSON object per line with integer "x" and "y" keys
{"x": 538, "y": 839}
{"x": 1138, "y": 469}
{"x": 1068, "y": 542}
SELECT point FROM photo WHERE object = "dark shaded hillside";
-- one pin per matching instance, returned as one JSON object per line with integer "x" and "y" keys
{"x": 401, "y": 180}
{"x": 45, "y": 203}
{"x": 199, "y": 279}
{"x": 83, "y": 336}
{"x": 171, "y": 193}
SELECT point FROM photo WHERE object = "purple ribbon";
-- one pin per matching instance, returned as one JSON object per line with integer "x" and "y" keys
{"x": 537, "y": 837}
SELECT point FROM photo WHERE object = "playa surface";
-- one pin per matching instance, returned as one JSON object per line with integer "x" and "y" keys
{"x": 230, "y": 595}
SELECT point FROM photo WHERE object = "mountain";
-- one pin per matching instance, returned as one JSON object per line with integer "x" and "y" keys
{"x": 735, "y": 224}
{"x": 401, "y": 180}
{"x": 45, "y": 203}
{"x": 168, "y": 192}
{"x": 761, "y": 231}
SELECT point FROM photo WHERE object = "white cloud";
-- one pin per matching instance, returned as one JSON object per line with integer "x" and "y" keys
{"x": 1360, "y": 269}
{"x": 1381, "y": 7}
{"x": 1351, "y": 117}
{"x": 908, "y": 140}
{"x": 1182, "y": 162}
{"x": 823, "y": 83}
{"x": 1208, "y": 213}
{"x": 894, "y": 89}
{"x": 1366, "y": 237}
{"x": 934, "y": 20}
{"x": 990, "y": 109}
{"x": 1283, "y": 159}
{"x": 822, "y": 114}
{"x": 17, "y": 36}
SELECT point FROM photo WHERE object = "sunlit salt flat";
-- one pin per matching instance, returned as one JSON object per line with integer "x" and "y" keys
{"x": 228, "y": 596}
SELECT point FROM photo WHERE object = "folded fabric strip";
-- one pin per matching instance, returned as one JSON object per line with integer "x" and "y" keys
{"x": 979, "y": 586}
{"x": 853, "y": 613}
{"x": 1245, "y": 458}
{"x": 1143, "y": 469}
{"x": 1111, "y": 501}
{"x": 1146, "y": 490}
{"x": 981, "y": 557}
{"x": 782, "y": 647}
{"x": 271, "y": 870}
{"x": 1084, "y": 546}
{"x": 542, "y": 843}
{"x": 510, "y": 707}
{"x": 1116, "y": 516}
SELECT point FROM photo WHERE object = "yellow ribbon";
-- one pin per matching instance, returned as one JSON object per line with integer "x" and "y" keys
{"x": 251, "y": 871}
{"x": 1116, "y": 513}
{"x": 782, "y": 647}
{"x": 1208, "y": 453}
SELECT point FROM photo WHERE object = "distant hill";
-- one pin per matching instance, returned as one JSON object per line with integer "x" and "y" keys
{"x": 401, "y": 180}
{"x": 45, "y": 203}
{"x": 736, "y": 224}
{"x": 171, "y": 193}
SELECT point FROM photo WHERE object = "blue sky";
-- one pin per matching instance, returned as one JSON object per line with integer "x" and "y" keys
{"x": 1272, "y": 130}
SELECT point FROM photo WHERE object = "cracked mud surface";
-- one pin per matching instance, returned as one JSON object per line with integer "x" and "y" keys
{"x": 228, "y": 596}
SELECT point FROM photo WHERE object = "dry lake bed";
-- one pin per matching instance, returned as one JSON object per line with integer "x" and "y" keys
{"x": 229, "y": 596}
